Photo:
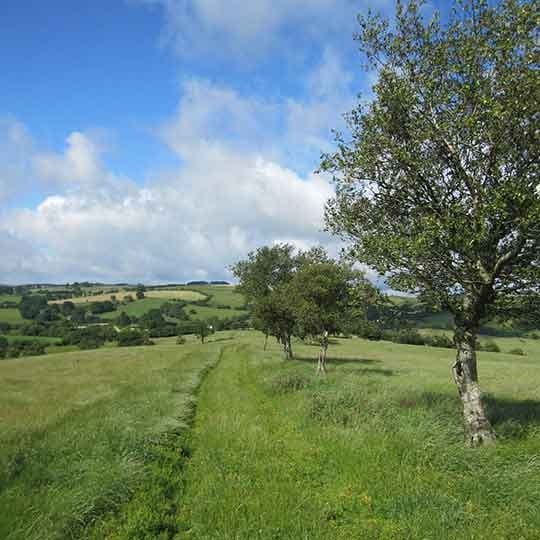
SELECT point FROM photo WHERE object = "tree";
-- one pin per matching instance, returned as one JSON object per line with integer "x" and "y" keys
{"x": 140, "y": 291}
{"x": 123, "y": 319}
{"x": 438, "y": 185}
{"x": 204, "y": 330}
{"x": 263, "y": 276}
{"x": 31, "y": 305}
{"x": 321, "y": 293}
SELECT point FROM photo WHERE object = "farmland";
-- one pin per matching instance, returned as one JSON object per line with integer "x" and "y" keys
{"x": 165, "y": 294}
{"x": 10, "y": 315}
{"x": 372, "y": 450}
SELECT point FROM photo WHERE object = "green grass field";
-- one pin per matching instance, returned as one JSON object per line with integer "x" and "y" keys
{"x": 9, "y": 298}
{"x": 10, "y": 315}
{"x": 206, "y": 312}
{"x": 79, "y": 432}
{"x": 221, "y": 294}
{"x": 137, "y": 308}
{"x": 374, "y": 450}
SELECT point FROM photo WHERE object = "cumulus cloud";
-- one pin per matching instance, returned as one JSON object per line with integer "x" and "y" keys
{"x": 226, "y": 199}
{"x": 246, "y": 29}
{"x": 15, "y": 171}
{"x": 245, "y": 180}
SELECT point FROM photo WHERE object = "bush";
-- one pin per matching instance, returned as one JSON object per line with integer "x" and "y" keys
{"x": 440, "y": 341}
{"x": 180, "y": 340}
{"x": 133, "y": 338}
{"x": 3, "y": 346}
{"x": 517, "y": 351}
{"x": 25, "y": 348}
{"x": 407, "y": 336}
{"x": 489, "y": 346}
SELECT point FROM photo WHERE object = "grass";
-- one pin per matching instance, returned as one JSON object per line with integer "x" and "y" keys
{"x": 163, "y": 294}
{"x": 206, "y": 312}
{"x": 82, "y": 432}
{"x": 97, "y": 445}
{"x": 137, "y": 308}
{"x": 221, "y": 295}
{"x": 10, "y": 315}
{"x": 372, "y": 451}
{"x": 9, "y": 298}
{"x": 175, "y": 294}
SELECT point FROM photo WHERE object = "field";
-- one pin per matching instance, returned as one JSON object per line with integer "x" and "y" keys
{"x": 10, "y": 315}
{"x": 206, "y": 312}
{"x": 164, "y": 294}
{"x": 9, "y": 298}
{"x": 137, "y": 308}
{"x": 221, "y": 294}
{"x": 79, "y": 430}
{"x": 374, "y": 450}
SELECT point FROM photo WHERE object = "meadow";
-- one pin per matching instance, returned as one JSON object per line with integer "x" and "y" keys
{"x": 10, "y": 315}
{"x": 98, "y": 444}
{"x": 80, "y": 432}
{"x": 164, "y": 294}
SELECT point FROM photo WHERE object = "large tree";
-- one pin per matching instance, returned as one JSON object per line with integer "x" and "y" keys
{"x": 437, "y": 186}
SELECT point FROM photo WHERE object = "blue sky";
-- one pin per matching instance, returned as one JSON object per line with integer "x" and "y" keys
{"x": 161, "y": 140}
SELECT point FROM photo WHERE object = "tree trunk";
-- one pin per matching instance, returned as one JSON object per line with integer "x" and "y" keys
{"x": 287, "y": 349}
{"x": 265, "y": 341}
{"x": 321, "y": 365}
{"x": 478, "y": 429}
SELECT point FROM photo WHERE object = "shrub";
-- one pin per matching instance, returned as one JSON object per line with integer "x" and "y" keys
{"x": 133, "y": 338}
{"x": 25, "y": 348}
{"x": 518, "y": 351}
{"x": 180, "y": 340}
{"x": 489, "y": 346}
{"x": 3, "y": 346}
{"x": 440, "y": 341}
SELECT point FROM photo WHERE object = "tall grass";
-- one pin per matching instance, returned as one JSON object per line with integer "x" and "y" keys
{"x": 373, "y": 451}
{"x": 82, "y": 433}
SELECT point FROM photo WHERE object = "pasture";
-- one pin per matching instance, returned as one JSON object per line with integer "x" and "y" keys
{"x": 221, "y": 295}
{"x": 9, "y": 298}
{"x": 95, "y": 444}
{"x": 78, "y": 432}
{"x": 163, "y": 294}
{"x": 10, "y": 315}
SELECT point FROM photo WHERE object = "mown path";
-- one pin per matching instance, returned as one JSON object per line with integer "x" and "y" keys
{"x": 253, "y": 474}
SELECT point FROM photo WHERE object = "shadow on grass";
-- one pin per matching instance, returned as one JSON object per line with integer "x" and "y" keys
{"x": 511, "y": 418}
{"x": 338, "y": 361}
{"x": 350, "y": 362}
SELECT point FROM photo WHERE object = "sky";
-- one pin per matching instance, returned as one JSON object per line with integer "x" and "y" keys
{"x": 162, "y": 140}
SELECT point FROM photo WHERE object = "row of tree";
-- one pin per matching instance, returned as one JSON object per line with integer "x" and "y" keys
{"x": 305, "y": 294}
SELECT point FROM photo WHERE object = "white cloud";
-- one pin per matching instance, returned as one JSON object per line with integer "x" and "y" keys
{"x": 244, "y": 29}
{"x": 15, "y": 146}
{"x": 225, "y": 200}
{"x": 231, "y": 194}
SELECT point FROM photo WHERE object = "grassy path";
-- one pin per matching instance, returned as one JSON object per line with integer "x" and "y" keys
{"x": 282, "y": 455}
{"x": 247, "y": 478}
